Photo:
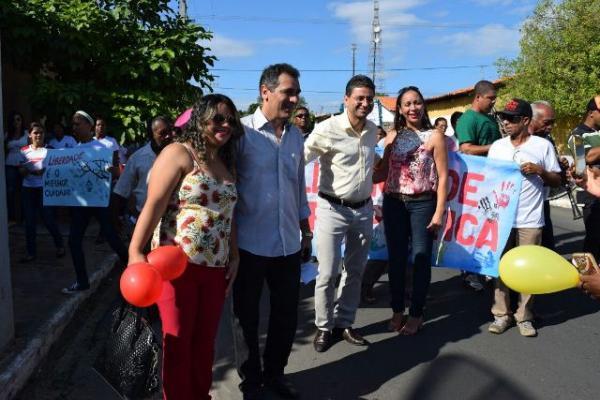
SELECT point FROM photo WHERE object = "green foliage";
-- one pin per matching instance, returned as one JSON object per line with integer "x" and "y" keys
{"x": 129, "y": 60}
{"x": 251, "y": 108}
{"x": 559, "y": 59}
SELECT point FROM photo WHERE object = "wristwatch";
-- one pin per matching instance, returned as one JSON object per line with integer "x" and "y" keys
{"x": 307, "y": 235}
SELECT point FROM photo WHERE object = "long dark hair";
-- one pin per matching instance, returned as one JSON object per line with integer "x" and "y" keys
{"x": 11, "y": 127}
{"x": 202, "y": 112}
{"x": 399, "y": 120}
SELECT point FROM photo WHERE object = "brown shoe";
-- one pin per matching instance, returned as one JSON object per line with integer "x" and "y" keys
{"x": 397, "y": 322}
{"x": 412, "y": 327}
{"x": 350, "y": 336}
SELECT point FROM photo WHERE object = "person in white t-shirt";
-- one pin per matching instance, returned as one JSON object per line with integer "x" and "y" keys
{"x": 109, "y": 141}
{"x": 31, "y": 168}
{"x": 60, "y": 140}
{"x": 539, "y": 167}
{"x": 83, "y": 125}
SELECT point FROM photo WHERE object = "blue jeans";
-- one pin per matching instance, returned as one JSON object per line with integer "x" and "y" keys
{"x": 32, "y": 206}
{"x": 406, "y": 221}
{"x": 13, "y": 183}
{"x": 80, "y": 219}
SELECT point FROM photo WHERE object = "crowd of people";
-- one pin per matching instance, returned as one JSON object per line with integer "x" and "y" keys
{"x": 231, "y": 193}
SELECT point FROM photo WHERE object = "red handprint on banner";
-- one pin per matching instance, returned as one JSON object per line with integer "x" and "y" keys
{"x": 503, "y": 198}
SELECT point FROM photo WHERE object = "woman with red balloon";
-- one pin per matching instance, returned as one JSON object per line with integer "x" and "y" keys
{"x": 191, "y": 197}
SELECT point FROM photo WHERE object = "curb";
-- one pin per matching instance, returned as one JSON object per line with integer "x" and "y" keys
{"x": 23, "y": 365}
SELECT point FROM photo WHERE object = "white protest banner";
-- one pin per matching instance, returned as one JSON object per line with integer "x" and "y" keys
{"x": 77, "y": 177}
{"x": 482, "y": 204}
{"x": 481, "y": 208}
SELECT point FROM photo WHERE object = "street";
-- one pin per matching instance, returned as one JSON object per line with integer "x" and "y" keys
{"x": 454, "y": 357}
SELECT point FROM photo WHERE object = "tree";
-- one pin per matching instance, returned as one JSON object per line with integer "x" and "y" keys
{"x": 129, "y": 60}
{"x": 559, "y": 59}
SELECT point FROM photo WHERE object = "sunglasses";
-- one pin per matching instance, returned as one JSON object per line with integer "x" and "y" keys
{"x": 301, "y": 115}
{"x": 513, "y": 119}
{"x": 220, "y": 119}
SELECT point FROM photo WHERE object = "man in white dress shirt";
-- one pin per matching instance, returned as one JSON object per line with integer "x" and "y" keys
{"x": 345, "y": 147}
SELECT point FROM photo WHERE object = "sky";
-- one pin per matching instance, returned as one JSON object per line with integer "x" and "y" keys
{"x": 439, "y": 46}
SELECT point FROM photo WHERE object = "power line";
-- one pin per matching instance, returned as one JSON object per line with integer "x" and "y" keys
{"x": 326, "y": 21}
{"x": 449, "y": 67}
{"x": 256, "y": 90}
{"x": 337, "y": 92}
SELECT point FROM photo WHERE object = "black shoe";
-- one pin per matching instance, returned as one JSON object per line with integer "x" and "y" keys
{"x": 282, "y": 386}
{"x": 350, "y": 336}
{"x": 75, "y": 288}
{"x": 27, "y": 258}
{"x": 323, "y": 341}
{"x": 252, "y": 391}
{"x": 60, "y": 252}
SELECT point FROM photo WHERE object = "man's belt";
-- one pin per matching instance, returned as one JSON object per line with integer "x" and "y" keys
{"x": 341, "y": 202}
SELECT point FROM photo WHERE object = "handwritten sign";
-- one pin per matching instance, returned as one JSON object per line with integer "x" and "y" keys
{"x": 77, "y": 177}
{"x": 482, "y": 204}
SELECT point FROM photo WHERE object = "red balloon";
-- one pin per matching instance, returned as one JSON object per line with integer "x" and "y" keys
{"x": 141, "y": 284}
{"x": 169, "y": 261}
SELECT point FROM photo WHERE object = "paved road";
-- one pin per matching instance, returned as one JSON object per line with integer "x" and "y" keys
{"x": 454, "y": 357}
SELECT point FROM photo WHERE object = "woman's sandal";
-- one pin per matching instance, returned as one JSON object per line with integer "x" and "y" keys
{"x": 412, "y": 326}
{"x": 397, "y": 322}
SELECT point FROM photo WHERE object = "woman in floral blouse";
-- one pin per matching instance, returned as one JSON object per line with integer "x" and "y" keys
{"x": 415, "y": 170}
{"x": 191, "y": 196}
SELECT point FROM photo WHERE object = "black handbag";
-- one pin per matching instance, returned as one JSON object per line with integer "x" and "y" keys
{"x": 129, "y": 360}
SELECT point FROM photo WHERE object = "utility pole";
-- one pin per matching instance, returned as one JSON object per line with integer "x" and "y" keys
{"x": 375, "y": 56}
{"x": 353, "y": 59}
{"x": 183, "y": 9}
{"x": 7, "y": 327}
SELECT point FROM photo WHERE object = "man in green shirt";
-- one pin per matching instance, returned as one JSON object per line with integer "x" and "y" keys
{"x": 476, "y": 130}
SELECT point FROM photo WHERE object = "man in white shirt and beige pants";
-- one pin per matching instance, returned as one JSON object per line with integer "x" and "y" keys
{"x": 345, "y": 147}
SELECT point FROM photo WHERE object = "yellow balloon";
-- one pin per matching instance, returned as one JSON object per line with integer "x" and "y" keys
{"x": 537, "y": 270}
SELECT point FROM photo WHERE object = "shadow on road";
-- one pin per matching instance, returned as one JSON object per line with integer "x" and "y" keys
{"x": 444, "y": 379}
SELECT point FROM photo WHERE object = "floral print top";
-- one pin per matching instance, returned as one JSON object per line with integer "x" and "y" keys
{"x": 198, "y": 219}
{"x": 411, "y": 165}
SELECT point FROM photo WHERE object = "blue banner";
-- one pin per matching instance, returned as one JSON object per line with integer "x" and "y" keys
{"x": 482, "y": 204}
{"x": 77, "y": 177}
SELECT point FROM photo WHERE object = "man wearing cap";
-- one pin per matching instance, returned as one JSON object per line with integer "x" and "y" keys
{"x": 476, "y": 130}
{"x": 272, "y": 216}
{"x": 539, "y": 167}
{"x": 345, "y": 147}
{"x": 589, "y": 130}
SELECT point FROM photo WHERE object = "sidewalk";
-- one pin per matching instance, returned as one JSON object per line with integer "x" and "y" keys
{"x": 41, "y": 311}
